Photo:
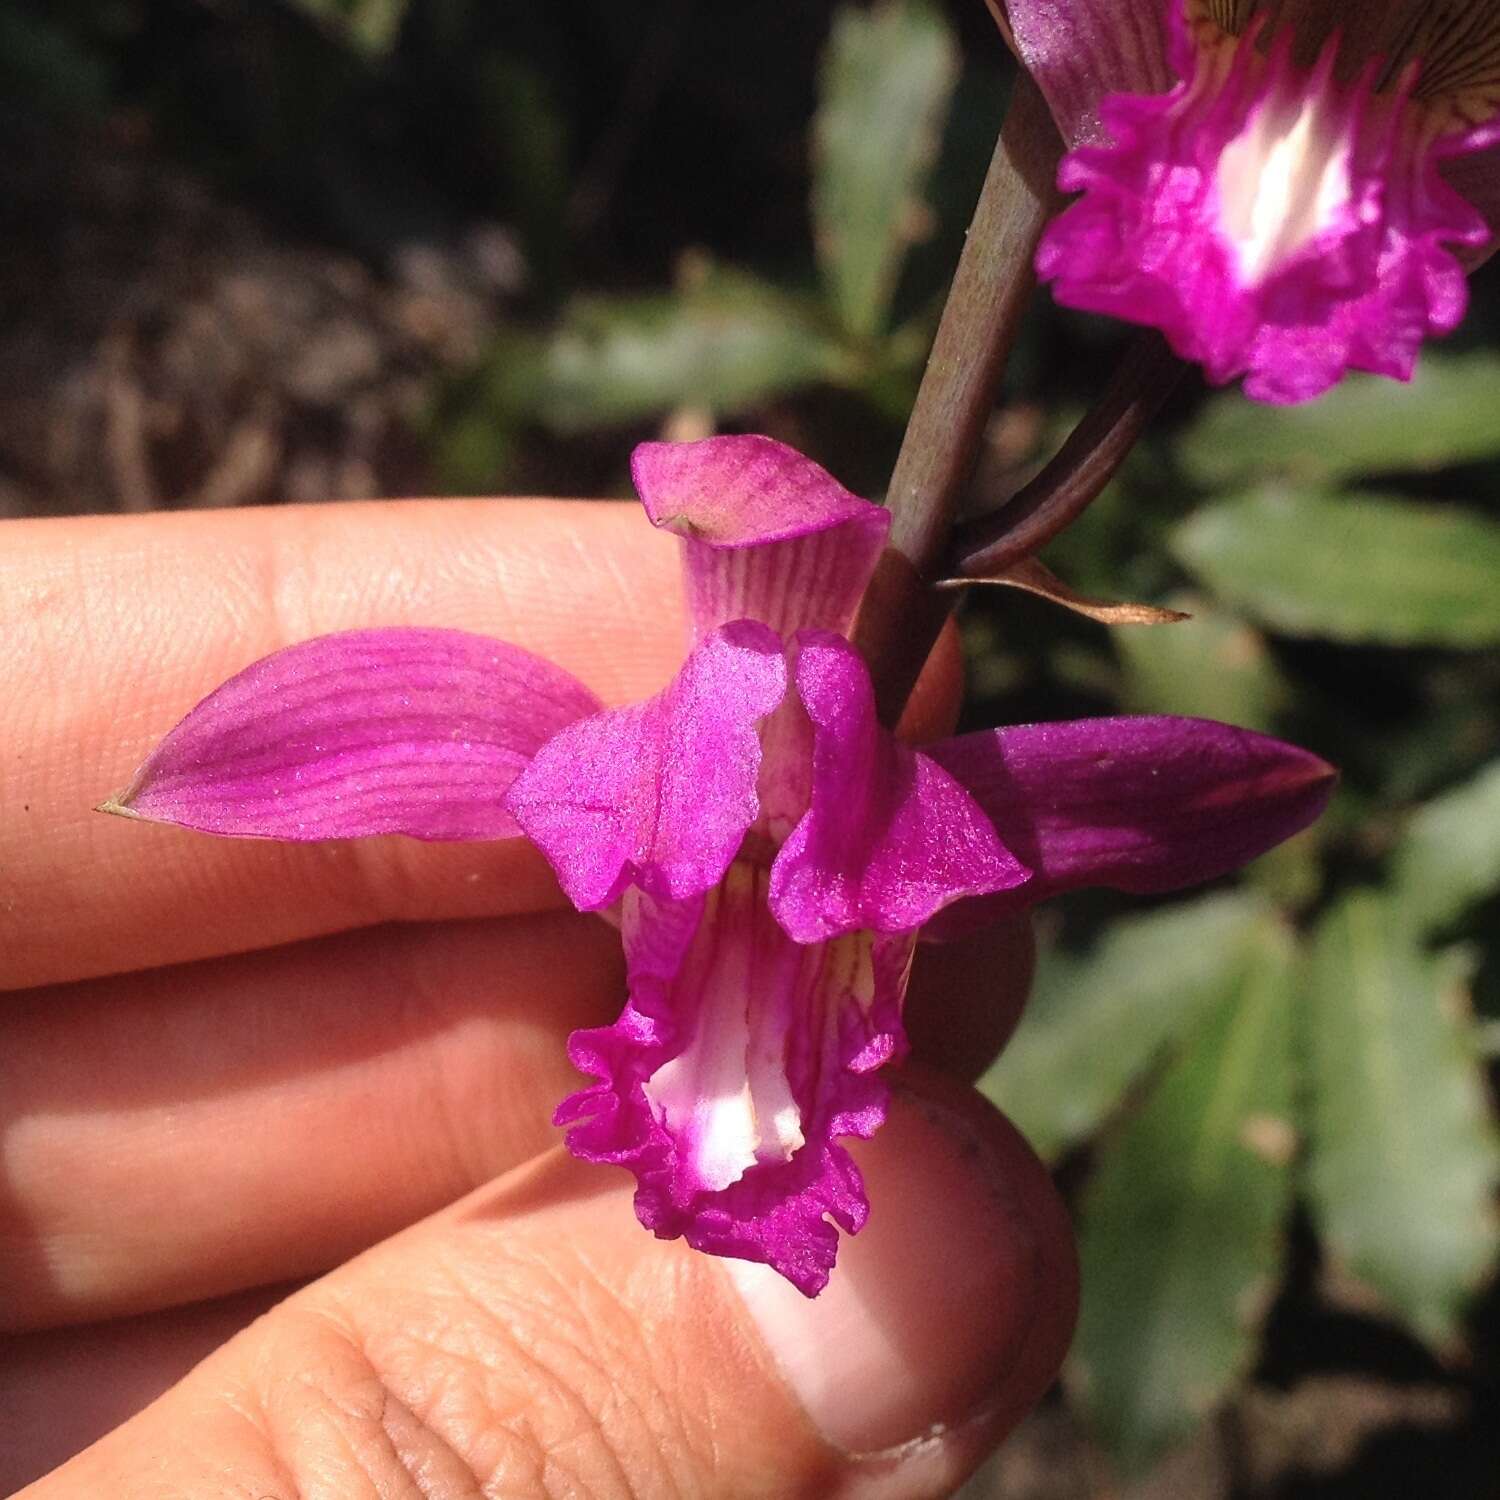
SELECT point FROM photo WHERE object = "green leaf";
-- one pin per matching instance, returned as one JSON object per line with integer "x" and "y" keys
{"x": 1364, "y": 426}
{"x": 1354, "y": 568}
{"x": 1095, "y": 1024}
{"x": 725, "y": 341}
{"x": 887, "y": 78}
{"x": 471, "y": 451}
{"x": 523, "y": 132}
{"x": 1213, "y": 666}
{"x": 1180, "y": 1233}
{"x": 1403, "y": 1160}
{"x": 1449, "y": 856}
{"x": 372, "y": 25}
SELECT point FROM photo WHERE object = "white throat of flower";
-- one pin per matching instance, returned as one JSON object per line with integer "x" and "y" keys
{"x": 726, "y": 1096}
{"x": 1282, "y": 182}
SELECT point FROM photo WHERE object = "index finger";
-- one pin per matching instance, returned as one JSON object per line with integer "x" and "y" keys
{"x": 116, "y": 626}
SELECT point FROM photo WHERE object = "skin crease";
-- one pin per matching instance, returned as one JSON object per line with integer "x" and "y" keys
{"x": 216, "y": 1074}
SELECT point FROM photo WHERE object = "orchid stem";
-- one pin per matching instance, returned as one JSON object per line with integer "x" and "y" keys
{"x": 903, "y": 613}
{"x": 1082, "y": 467}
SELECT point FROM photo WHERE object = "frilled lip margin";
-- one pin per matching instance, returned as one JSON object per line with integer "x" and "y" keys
{"x": 1279, "y": 216}
{"x": 773, "y": 853}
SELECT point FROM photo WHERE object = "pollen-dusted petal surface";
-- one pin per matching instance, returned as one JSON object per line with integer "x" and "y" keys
{"x": 768, "y": 535}
{"x": 1140, "y": 804}
{"x": 890, "y": 837}
{"x": 740, "y": 1060}
{"x": 369, "y": 731}
{"x": 659, "y": 793}
{"x": 1081, "y": 50}
{"x": 1275, "y": 221}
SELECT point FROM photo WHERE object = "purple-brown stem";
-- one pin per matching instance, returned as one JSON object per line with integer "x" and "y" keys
{"x": 903, "y": 613}
{"x": 988, "y": 545}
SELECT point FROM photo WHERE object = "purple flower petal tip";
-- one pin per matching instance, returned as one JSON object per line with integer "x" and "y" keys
{"x": 659, "y": 794}
{"x": 1145, "y": 804}
{"x": 744, "y": 492}
{"x": 407, "y": 731}
{"x": 768, "y": 535}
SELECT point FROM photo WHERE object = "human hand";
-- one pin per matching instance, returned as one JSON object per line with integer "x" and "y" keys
{"x": 227, "y": 1067}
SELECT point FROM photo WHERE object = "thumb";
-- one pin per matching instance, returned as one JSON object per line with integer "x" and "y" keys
{"x": 534, "y": 1341}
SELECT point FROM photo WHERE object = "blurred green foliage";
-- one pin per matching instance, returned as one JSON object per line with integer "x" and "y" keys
{"x": 886, "y": 82}
{"x": 1446, "y": 416}
{"x": 370, "y": 25}
{"x": 1401, "y": 1160}
{"x": 1329, "y": 1054}
{"x": 1357, "y": 567}
{"x": 1180, "y": 1229}
{"x": 1302, "y": 1036}
{"x": 1100, "y": 1020}
{"x": 723, "y": 341}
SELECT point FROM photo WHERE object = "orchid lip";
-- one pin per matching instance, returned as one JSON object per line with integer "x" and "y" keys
{"x": 740, "y": 1062}
{"x": 726, "y": 1095}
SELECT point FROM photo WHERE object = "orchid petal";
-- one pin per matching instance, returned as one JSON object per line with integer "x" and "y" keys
{"x": 768, "y": 535}
{"x": 740, "y": 1060}
{"x": 890, "y": 837}
{"x": 408, "y": 731}
{"x": 660, "y": 793}
{"x": 1081, "y": 50}
{"x": 1140, "y": 804}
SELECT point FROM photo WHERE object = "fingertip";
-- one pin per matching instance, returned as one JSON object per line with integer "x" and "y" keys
{"x": 949, "y": 1315}
{"x": 535, "y": 1329}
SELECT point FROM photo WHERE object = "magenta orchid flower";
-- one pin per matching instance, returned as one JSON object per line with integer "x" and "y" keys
{"x": 769, "y": 850}
{"x": 1287, "y": 189}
